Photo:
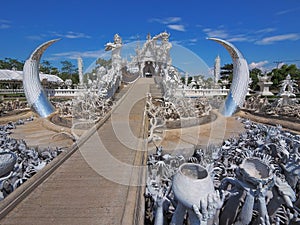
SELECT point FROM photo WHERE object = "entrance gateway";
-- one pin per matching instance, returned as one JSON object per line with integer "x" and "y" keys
{"x": 154, "y": 56}
{"x": 148, "y": 70}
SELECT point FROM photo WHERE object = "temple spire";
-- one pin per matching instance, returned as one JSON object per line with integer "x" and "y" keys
{"x": 217, "y": 69}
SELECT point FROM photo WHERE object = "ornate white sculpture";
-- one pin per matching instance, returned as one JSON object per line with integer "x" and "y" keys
{"x": 154, "y": 57}
{"x": 287, "y": 91}
{"x": 115, "y": 49}
{"x": 286, "y": 106}
{"x": 109, "y": 82}
{"x": 80, "y": 70}
{"x": 163, "y": 51}
{"x": 217, "y": 69}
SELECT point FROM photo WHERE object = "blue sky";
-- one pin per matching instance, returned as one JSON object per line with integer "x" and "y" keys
{"x": 264, "y": 31}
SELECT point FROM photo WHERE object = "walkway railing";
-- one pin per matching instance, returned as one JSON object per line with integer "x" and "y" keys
{"x": 203, "y": 92}
{"x": 49, "y": 92}
{"x": 11, "y": 91}
{"x": 73, "y": 92}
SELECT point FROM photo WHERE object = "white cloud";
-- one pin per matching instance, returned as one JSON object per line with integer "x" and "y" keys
{"x": 75, "y": 54}
{"x": 177, "y": 27}
{"x": 238, "y": 39}
{"x": 257, "y": 37}
{"x": 167, "y": 20}
{"x": 185, "y": 42}
{"x": 134, "y": 37}
{"x": 276, "y": 38}
{"x": 287, "y": 11}
{"x": 71, "y": 35}
{"x": 38, "y": 37}
{"x": 284, "y": 12}
{"x": 280, "y": 64}
{"x": 193, "y": 40}
{"x": 171, "y": 22}
{"x": 259, "y": 65}
{"x": 131, "y": 38}
{"x": 199, "y": 25}
{"x": 35, "y": 37}
{"x": 265, "y": 30}
{"x": 177, "y": 42}
{"x": 4, "y": 24}
{"x": 220, "y": 33}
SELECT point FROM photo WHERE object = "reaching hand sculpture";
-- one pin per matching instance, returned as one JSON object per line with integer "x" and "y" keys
{"x": 256, "y": 175}
{"x": 35, "y": 95}
{"x": 193, "y": 188}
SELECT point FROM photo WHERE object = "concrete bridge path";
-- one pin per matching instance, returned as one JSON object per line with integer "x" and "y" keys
{"x": 98, "y": 184}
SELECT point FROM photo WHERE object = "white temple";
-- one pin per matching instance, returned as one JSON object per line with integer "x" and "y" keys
{"x": 154, "y": 57}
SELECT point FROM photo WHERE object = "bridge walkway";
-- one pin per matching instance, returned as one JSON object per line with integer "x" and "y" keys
{"x": 98, "y": 184}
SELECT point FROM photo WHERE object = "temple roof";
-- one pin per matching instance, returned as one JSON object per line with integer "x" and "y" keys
{"x": 9, "y": 75}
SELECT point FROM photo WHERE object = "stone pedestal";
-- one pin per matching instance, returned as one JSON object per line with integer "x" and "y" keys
{"x": 264, "y": 88}
{"x": 286, "y": 98}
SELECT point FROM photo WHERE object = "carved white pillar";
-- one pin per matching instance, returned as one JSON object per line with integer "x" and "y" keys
{"x": 80, "y": 69}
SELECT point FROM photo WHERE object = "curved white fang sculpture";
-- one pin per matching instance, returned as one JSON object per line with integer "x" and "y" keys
{"x": 34, "y": 92}
{"x": 240, "y": 80}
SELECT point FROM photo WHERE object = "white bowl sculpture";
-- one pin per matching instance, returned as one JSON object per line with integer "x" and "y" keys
{"x": 191, "y": 184}
{"x": 255, "y": 171}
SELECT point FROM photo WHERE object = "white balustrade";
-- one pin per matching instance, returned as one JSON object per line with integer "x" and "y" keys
{"x": 73, "y": 92}
{"x": 193, "y": 93}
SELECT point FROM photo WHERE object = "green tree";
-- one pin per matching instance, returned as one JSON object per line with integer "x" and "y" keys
{"x": 4, "y": 65}
{"x": 254, "y": 73}
{"x": 67, "y": 67}
{"x": 45, "y": 67}
{"x": 69, "y": 71}
{"x": 182, "y": 79}
{"x": 103, "y": 62}
{"x": 54, "y": 71}
{"x": 227, "y": 72}
{"x": 280, "y": 74}
{"x": 93, "y": 74}
{"x": 9, "y": 64}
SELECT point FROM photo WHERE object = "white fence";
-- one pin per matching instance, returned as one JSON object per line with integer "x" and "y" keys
{"x": 49, "y": 92}
{"x": 62, "y": 92}
{"x": 11, "y": 91}
{"x": 192, "y": 93}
